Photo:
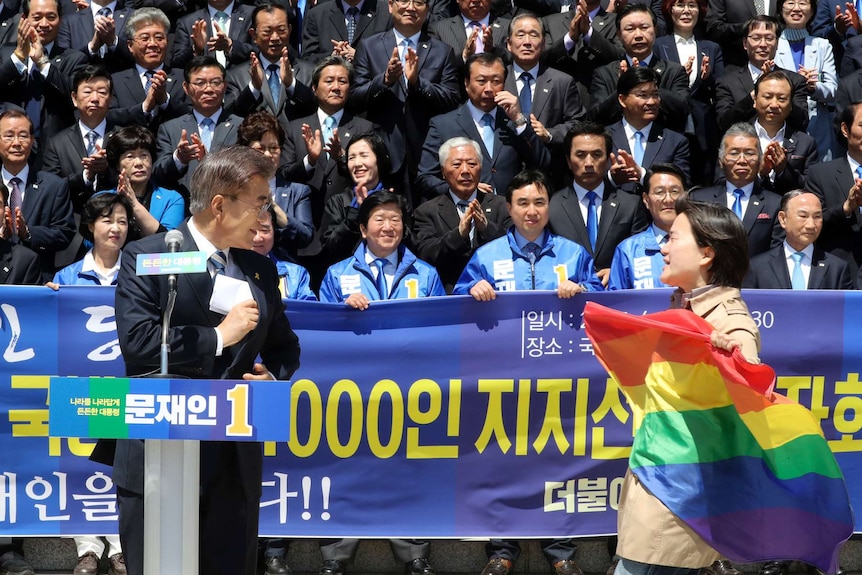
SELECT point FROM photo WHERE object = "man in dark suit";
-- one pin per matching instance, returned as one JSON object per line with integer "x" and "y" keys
{"x": 735, "y": 90}
{"x": 229, "y": 194}
{"x": 182, "y": 142}
{"x": 18, "y": 265}
{"x": 315, "y": 143}
{"x": 77, "y": 153}
{"x": 325, "y": 30}
{"x": 636, "y": 30}
{"x": 787, "y": 152}
{"x": 592, "y": 211}
{"x": 639, "y": 140}
{"x": 39, "y": 212}
{"x": 839, "y": 185}
{"x": 741, "y": 158}
{"x": 36, "y": 74}
{"x": 849, "y": 91}
{"x": 491, "y": 116}
{"x": 99, "y": 33}
{"x": 149, "y": 85}
{"x": 797, "y": 263}
{"x": 550, "y": 98}
{"x": 213, "y": 32}
{"x": 403, "y": 79}
{"x": 450, "y": 227}
{"x": 473, "y": 30}
{"x": 271, "y": 81}
{"x": 726, "y": 25}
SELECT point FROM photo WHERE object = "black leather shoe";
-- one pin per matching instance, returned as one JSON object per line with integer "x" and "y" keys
{"x": 331, "y": 567}
{"x": 722, "y": 567}
{"x": 774, "y": 568}
{"x": 88, "y": 564}
{"x": 419, "y": 567}
{"x": 567, "y": 567}
{"x": 275, "y": 566}
{"x": 13, "y": 563}
{"x": 497, "y": 566}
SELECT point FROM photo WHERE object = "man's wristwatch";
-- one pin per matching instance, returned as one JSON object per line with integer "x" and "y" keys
{"x": 520, "y": 121}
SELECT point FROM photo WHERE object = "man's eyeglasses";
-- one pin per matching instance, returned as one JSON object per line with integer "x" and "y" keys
{"x": 261, "y": 210}
{"x": 201, "y": 84}
{"x": 406, "y": 3}
{"x": 145, "y": 38}
{"x": 9, "y": 137}
{"x": 662, "y": 194}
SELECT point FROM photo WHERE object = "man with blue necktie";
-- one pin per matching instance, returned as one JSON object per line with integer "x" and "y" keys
{"x": 740, "y": 156}
{"x": 592, "y": 211}
{"x": 797, "y": 263}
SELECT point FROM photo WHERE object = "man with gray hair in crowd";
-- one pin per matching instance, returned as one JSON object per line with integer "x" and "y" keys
{"x": 450, "y": 227}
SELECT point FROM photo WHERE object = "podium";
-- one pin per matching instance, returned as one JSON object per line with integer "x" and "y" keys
{"x": 173, "y": 416}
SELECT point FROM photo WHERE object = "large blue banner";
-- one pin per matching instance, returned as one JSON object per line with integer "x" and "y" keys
{"x": 482, "y": 419}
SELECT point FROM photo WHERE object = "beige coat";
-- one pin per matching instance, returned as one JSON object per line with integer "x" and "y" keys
{"x": 648, "y": 531}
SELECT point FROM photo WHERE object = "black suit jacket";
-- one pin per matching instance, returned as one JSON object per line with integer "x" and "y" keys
{"x": 240, "y": 21}
{"x": 192, "y": 339}
{"x": 165, "y": 171}
{"x": 556, "y": 101}
{"x": 622, "y": 215}
{"x": 324, "y": 179}
{"x": 760, "y": 218}
{"x": 128, "y": 95}
{"x": 18, "y": 265}
{"x": 403, "y": 113}
{"x": 702, "y": 102}
{"x": 841, "y": 235}
{"x": 62, "y": 157}
{"x": 438, "y": 242}
{"x": 849, "y": 91}
{"x": 47, "y": 210}
{"x": 801, "y": 152}
{"x": 452, "y": 32}
{"x": 76, "y": 32}
{"x": 326, "y": 22}
{"x": 673, "y": 87}
{"x": 725, "y": 24}
{"x": 512, "y": 152}
{"x": 662, "y": 146}
{"x": 734, "y": 103}
{"x": 769, "y": 271}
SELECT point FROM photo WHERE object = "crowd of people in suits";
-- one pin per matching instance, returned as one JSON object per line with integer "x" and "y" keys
{"x": 425, "y": 147}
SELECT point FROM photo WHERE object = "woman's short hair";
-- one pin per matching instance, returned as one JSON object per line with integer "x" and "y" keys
{"x": 101, "y": 204}
{"x": 126, "y": 139}
{"x": 256, "y": 125}
{"x": 716, "y": 227}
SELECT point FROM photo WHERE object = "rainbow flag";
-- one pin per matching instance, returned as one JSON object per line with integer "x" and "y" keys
{"x": 746, "y": 468}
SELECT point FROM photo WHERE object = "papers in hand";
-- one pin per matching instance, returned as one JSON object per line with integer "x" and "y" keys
{"x": 227, "y": 292}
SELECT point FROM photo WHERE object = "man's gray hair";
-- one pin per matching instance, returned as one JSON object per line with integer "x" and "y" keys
{"x": 457, "y": 142}
{"x": 143, "y": 16}
{"x": 739, "y": 129}
{"x": 226, "y": 172}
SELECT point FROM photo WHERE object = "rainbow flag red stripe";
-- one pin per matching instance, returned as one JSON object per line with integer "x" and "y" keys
{"x": 746, "y": 468}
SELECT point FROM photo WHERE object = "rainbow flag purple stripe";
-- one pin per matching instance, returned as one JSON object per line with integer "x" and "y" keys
{"x": 746, "y": 468}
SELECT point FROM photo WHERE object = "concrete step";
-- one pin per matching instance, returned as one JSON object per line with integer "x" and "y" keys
{"x": 449, "y": 557}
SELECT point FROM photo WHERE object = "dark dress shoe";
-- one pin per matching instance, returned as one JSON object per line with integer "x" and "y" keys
{"x": 567, "y": 567}
{"x": 275, "y": 566}
{"x": 497, "y": 566}
{"x": 419, "y": 567}
{"x": 722, "y": 567}
{"x": 117, "y": 564}
{"x": 88, "y": 564}
{"x": 774, "y": 568}
{"x": 13, "y": 563}
{"x": 331, "y": 567}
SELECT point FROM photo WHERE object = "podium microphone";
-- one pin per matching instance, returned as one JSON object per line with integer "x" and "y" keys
{"x": 173, "y": 241}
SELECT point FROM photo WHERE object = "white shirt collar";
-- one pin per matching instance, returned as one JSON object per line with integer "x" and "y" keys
{"x": 112, "y": 6}
{"x": 141, "y": 70}
{"x": 203, "y": 244}
{"x": 321, "y": 116}
{"x": 399, "y": 37}
{"x": 685, "y": 41}
{"x": 23, "y": 175}
{"x": 228, "y": 10}
{"x": 88, "y": 264}
{"x": 761, "y": 133}
{"x": 391, "y": 259}
{"x": 808, "y": 252}
{"x": 534, "y": 71}
{"x": 477, "y": 114}
{"x": 747, "y": 189}
{"x": 456, "y": 199}
{"x": 582, "y": 192}
{"x": 644, "y": 62}
{"x": 630, "y": 130}
{"x": 200, "y": 117}
{"x": 347, "y": 6}
{"x": 100, "y": 129}
{"x": 854, "y": 165}
{"x": 486, "y": 21}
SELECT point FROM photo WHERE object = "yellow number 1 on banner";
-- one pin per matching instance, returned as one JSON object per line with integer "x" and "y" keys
{"x": 238, "y": 398}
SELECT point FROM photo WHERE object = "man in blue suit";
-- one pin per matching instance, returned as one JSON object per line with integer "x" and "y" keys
{"x": 403, "y": 79}
{"x": 492, "y": 116}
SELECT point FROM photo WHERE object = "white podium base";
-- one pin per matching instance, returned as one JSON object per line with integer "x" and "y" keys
{"x": 171, "y": 507}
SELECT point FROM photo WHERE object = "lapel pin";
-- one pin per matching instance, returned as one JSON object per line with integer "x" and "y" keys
{"x": 346, "y": 134}
{"x": 545, "y": 90}
{"x": 613, "y": 204}
{"x": 424, "y": 45}
{"x": 660, "y": 137}
{"x": 241, "y": 19}
{"x": 256, "y": 276}
{"x": 756, "y": 203}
